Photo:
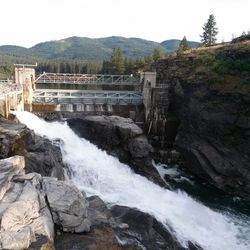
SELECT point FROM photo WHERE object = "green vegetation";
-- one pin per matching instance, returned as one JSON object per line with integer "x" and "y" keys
{"x": 183, "y": 46}
{"x": 86, "y": 55}
{"x": 118, "y": 64}
{"x": 157, "y": 54}
{"x": 223, "y": 66}
{"x": 6, "y": 71}
{"x": 71, "y": 67}
{"x": 86, "y": 49}
{"x": 173, "y": 44}
{"x": 210, "y": 31}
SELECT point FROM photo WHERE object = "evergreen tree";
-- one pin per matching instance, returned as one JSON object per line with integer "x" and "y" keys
{"x": 62, "y": 67}
{"x": 129, "y": 66}
{"x": 117, "y": 66}
{"x": 210, "y": 31}
{"x": 157, "y": 53}
{"x": 148, "y": 59}
{"x": 140, "y": 62}
{"x": 183, "y": 46}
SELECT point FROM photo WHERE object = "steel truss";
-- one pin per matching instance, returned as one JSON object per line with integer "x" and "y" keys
{"x": 87, "y": 97}
{"x": 87, "y": 79}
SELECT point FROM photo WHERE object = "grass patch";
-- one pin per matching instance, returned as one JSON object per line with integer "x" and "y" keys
{"x": 223, "y": 66}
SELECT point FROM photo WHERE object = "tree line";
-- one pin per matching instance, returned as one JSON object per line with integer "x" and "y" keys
{"x": 117, "y": 64}
{"x": 71, "y": 67}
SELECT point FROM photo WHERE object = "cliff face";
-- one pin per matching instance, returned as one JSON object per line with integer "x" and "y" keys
{"x": 210, "y": 94}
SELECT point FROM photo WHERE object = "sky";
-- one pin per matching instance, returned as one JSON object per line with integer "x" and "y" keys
{"x": 28, "y": 22}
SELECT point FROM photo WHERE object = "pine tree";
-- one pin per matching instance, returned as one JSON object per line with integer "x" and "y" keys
{"x": 210, "y": 31}
{"x": 183, "y": 46}
{"x": 117, "y": 62}
{"x": 129, "y": 65}
{"x": 157, "y": 53}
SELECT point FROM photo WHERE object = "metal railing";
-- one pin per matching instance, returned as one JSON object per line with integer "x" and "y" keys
{"x": 7, "y": 88}
{"x": 3, "y": 81}
{"x": 87, "y": 79}
{"x": 87, "y": 97}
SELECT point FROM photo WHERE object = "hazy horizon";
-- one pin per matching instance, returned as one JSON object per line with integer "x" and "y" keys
{"x": 30, "y": 22}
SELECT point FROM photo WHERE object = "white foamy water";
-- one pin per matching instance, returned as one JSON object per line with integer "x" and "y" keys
{"x": 97, "y": 173}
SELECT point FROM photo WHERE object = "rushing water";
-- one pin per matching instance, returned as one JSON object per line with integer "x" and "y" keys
{"x": 97, "y": 173}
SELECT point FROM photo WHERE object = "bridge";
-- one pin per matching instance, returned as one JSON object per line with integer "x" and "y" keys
{"x": 142, "y": 99}
{"x": 86, "y": 79}
{"x": 87, "y": 97}
{"x": 96, "y": 94}
{"x": 57, "y": 88}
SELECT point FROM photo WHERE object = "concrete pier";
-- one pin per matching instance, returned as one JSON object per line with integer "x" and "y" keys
{"x": 11, "y": 98}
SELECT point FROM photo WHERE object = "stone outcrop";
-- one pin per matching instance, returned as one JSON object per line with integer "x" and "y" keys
{"x": 120, "y": 137}
{"x": 119, "y": 228}
{"x": 67, "y": 205}
{"x": 138, "y": 230}
{"x": 30, "y": 205}
{"x": 41, "y": 156}
{"x": 43, "y": 213}
{"x": 102, "y": 234}
{"x": 210, "y": 95}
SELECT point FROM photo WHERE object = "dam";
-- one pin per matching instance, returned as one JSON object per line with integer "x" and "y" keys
{"x": 140, "y": 98}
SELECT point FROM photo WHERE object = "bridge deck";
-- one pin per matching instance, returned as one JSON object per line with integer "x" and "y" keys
{"x": 87, "y": 97}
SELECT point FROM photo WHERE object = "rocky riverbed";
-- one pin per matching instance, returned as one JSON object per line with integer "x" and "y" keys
{"x": 44, "y": 213}
{"x": 39, "y": 211}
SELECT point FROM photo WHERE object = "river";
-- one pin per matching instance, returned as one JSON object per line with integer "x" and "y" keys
{"x": 98, "y": 173}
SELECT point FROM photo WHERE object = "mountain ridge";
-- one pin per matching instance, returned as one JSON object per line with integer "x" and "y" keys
{"x": 89, "y": 49}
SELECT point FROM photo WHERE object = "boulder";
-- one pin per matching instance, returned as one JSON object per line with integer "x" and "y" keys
{"x": 101, "y": 235}
{"x": 8, "y": 169}
{"x": 31, "y": 204}
{"x": 16, "y": 240}
{"x": 68, "y": 206}
{"x": 119, "y": 227}
{"x": 138, "y": 230}
{"x": 41, "y": 156}
{"x": 25, "y": 215}
{"x": 98, "y": 213}
{"x": 120, "y": 137}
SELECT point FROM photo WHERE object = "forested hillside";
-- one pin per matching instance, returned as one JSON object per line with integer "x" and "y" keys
{"x": 84, "y": 55}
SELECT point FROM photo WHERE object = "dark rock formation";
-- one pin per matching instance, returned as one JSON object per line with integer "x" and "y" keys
{"x": 119, "y": 228}
{"x": 120, "y": 137}
{"x": 40, "y": 155}
{"x": 101, "y": 235}
{"x": 138, "y": 230}
{"x": 210, "y": 94}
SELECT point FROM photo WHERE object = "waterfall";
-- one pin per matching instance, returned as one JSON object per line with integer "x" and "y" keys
{"x": 98, "y": 173}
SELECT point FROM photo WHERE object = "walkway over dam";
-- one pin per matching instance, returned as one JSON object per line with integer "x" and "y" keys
{"x": 95, "y": 94}
{"x": 87, "y": 79}
{"x": 87, "y": 89}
